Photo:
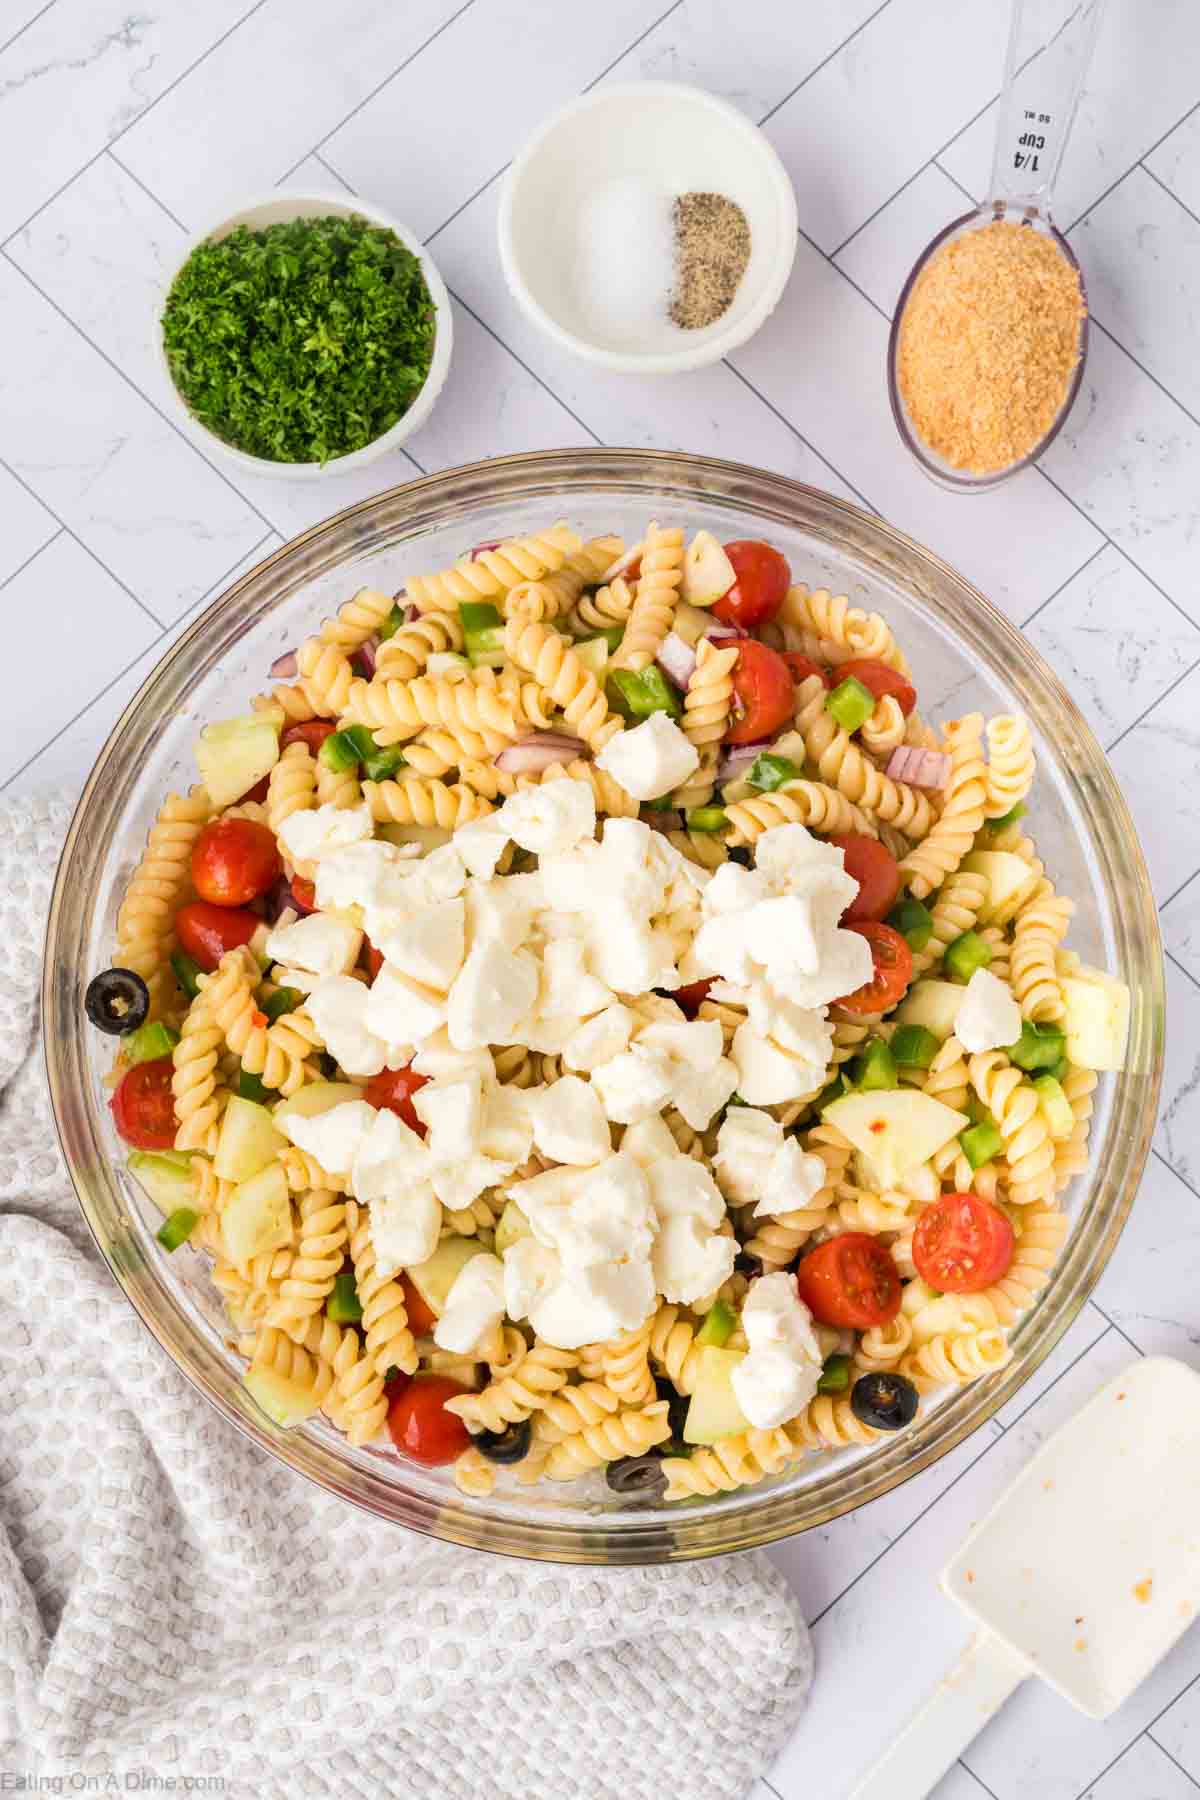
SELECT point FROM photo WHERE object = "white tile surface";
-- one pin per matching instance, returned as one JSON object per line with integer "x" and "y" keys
{"x": 419, "y": 106}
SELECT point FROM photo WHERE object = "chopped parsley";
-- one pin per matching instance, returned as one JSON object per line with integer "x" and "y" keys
{"x": 303, "y": 341}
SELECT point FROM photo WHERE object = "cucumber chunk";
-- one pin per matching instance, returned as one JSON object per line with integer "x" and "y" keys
{"x": 876, "y": 1068}
{"x": 718, "y": 1326}
{"x": 178, "y": 1228}
{"x": 233, "y": 755}
{"x": 1054, "y": 1106}
{"x": 318, "y": 1097}
{"x": 165, "y": 1175}
{"x": 933, "y": 1004}
{"x": 285, "y": 1401}
{"x": 511, "y": 1226}
{"x": 434, "y": 1278}
{"x": 898, "y": 1129}
{"x": 149, "y": 1042}
{"x": 248, "y": 1140}
{"x": 714, "y": 1411}
{"x": 966, "y": 954}
{"x": 258, "y": 1217}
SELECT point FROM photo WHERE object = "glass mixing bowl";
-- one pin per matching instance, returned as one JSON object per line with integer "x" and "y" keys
{"x": 964, "y": 654}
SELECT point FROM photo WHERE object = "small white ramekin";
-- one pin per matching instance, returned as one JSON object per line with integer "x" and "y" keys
{"x": 682, "y": 139}
{"x": 276, "y": 209}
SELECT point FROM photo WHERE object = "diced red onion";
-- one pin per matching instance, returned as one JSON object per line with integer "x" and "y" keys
{"x": 366, "y": 653}
{"x": 478, "y": 549}
{"x": 411, "y": 614}
{"x": 739, "y": 758}
{"x": 919, "y": 768}
{"x": 718, "y": 634}
{"x": 285, "y": 667}
{"x": 538, "y": 752}
{"x": 277, "y": 897}
{"x": 667, "y": 819}
{"x": 676, "y": 659}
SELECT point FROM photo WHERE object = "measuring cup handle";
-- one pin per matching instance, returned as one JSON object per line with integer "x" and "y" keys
{"x": 959, "y": 1707}
{"x": 1043, "y": 79}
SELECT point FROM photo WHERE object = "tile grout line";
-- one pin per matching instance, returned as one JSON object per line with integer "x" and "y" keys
{"x": 1171, "y": 1759}
{"x": 1146, "y": 1731}
{"x": 799, "y": 435}
{"x": 791, "y": 94}
{"x": 34, "y": 554}
{"x": 978, "y": 1779}
{"x": 1043, "y": 604}
{"x": 1119, "y": 1329}
{"x": 29, "y": 23}
{"x": 1125, "y": 351}
{"x": 376, "y": 91}
{"x": 1142, "y": 717}
{"x": 132, "y": 384}
{"x": 1183, "y": 884}
{"x": 1182, "y": 970}
{"x": 145, "y": 651}
{"x": 1149, "y": 151}
{"x": 1170, "y": 1166}
{"x": 149, "y": 192}
{"x": 86, "y": 548}
{"x": 126, "y": 129}
{"x": 1119, "y": 548}
{"x": 1169, "y": 191}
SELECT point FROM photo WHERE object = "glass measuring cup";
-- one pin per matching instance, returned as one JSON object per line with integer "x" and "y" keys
{"x": 1050, "y": 48}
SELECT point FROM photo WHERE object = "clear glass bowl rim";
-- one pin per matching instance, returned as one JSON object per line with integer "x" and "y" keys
{"x": 757, "y": 1516}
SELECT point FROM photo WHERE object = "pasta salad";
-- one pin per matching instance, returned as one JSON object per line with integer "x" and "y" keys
{"x": 591, "y": 1021}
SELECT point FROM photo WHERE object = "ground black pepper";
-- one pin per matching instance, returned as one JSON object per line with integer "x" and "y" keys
{"x": 712, "y": 248}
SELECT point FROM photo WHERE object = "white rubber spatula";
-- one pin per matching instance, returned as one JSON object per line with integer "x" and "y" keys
{"x": 1084, "y": 1573}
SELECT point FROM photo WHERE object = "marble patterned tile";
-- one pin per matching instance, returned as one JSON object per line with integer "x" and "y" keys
{"x": 91, "y": 68}
{"x": 1145, "y": 1772}
{"x": 1181, "y": 926}
{"x": 879, "y": 257}
{"x": 1127, "y": 455}
{"x": 68, "y": 753}
{"x": 959, "y": 1784}
{"x": 138, "y": 496}
{"x": 268, "y": 95}
{"x": 820, "y": 357}
{"x": 1149, "y": 1287}
{"x": 1114, "y": 641}
{"x": 25, "y": 525}
{"x": 1178, "y": 1134}
{"x": 1140, "y": 85}
{"x": 943, "y": 57}
{"x": 97, "y": 631}
{"x": 1085, "y": 1331}
{"x": 394, "y": 148}
{"x": 1176, "y": 161}
{"x": 1140, "y": 249}
{"x": 1178, "y": 1731}
{"x": 1156, "y": 765}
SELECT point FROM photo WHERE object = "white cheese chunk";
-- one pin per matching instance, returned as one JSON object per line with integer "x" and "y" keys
{"x": 474, "y": 1306}
{"x": 453, "y": 1113}
{"x": 481, "y": 844}
{"x": 794, "y": 1180}
{"x": 679, "y": 1185}
{"x": 338, "y": 1009}
{"x": 567, "y": 989}
{"x": 332, "y": 1138}
{"x": 700, "y": 1094}
{"x": 779, "y": 1375}
{"x": 633, "y": 1085}
{"x": 315, "y": 831}
{"x": 651, "y": 758}
{"x": 599, "y": 1039}
{"x": 405, "y": 1227}
{"x": 553, "y": 817}
{"x": 506, "y": 1129}
{"x": 318, "y": 943}
{"x": 428, "y": 946}
{"x": 988, "y": 1017}
{"x": 690, "y": 1259}
{"x": 746, "y": 1146}
{"x": 500, "y": 910}
{"x": 400, "y": 1010}
{"x": 767, "y": 1075}
{"x": 492, "y": 993}
{"x": 371, "y": 874}
{"x": 700, "y": 1043}
{"x": 569, "y": 1125}
{"x": 389, "y": 1176}
{"x": 440, "y": 1061}
{"x": 648, "y": 1141}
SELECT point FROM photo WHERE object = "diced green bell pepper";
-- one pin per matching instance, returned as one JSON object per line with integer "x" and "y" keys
{"x": 639, "y": 693}
{"x": 770, "y": 772}
{"x": 913, "y": 921}
{"x": 149, "y": 1042}
{"x": 967, "y": 954}
{"x": 1038, "y": 1047}
{"x": 913, "y": 1047}
{"x": 835, "y": 1375}
{"x": 875, "y": 1068}
{"x": 178, "y": 1228}
{"x": 850, "y": 703}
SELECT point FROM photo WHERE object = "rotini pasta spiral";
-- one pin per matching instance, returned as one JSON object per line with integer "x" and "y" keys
{"x": 406, "y": 652}
{"x": 304, "y": 1171}
{"x": 145, "y": 922}
{"x": 946, "y": 1078}
{"x": 883, "y": 1346}
{"x": 1038, "y": 930}
{"x": 539, "y": 1374}
{"x": 293, "y": 785}
{"x": 557, "y": 670}
{"x": 955, "y": 910}
{"x": 1014, "y": 1106}
{"x": 415, "y": 800}
{"x": 709, "y": 694}
{"x": 886, "y": 729}
{"x": 273, "y": 1349}
{"x": 572, "y": 1408}
{"x": 386, "y": 1335}
{"x": 951, "y": 1360}
{"x": 655, "y": 601}
{"x": 276, "y": 1052}
{"x": 1071, "y": 1154}
{"x": 474, "y": 1474}
{"x": 323, "y": 1235}
{"x": 490, "y": 573}
{"x": 337, "y": 787}
{"x": 732, "y": 1462}
{"x": 827, "y": 628}
{"x": 706, "y": 849}
{"x": 1011, "y": 763}
{"x": 626, "y": 1365}
{"x": 811, "y": 803}
{"x": 609, "y": 605}
{"x": 471, "y": 709}
{"x": 628, "y": 1433}
{"x": 841, "y": 764}
{"x": 828, "y": 1422}
{"x": 673, "y": 1346}
{"x": 325, "y": 676}
{"x": 777, "y": 1239}
{"x": 939, "y": 854}
{"x": 200, "y": 1093}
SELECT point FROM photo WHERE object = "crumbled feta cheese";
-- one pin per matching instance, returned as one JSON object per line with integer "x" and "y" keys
{"x": 766, "y": 1074}
{"x": 315, "y": 831}
{"x": 567, "y": 989}
{"x": 405, "y": 1226}
{"x": 338, "y": 1009}
{"x": 633, "y": 1085}
{"x": 474, "y": 1306}
{"x": 569, "y": 1125}
{"x": 651, "y": 758}
{"x": 778, "y": 1376}
{"x": 428, "y": 946}
{"x": 332, "y": 1137}
{"x": 318, "y": 943}
{"x": 481, "y": 844}
{"x": 500, "y": 911}
{"x": 389, "y": 1176}
{"x": 599, "y": 1039}
{"x": 679, "y": 1185}
{"x": 988, "y": 1017}
{"x": 648, "y": 1141}
{"x": 453, "y": 1113}
{"x": 440, "y": 1061}
{"x": 793, "y": 1180}
{"x": 690, "y": 1259}
{"x": 746, "y": 1145}
{"x": 506, "y": 1130}
{"x": 400, "y": 1010}
{"x": 553, "y": 817}
{"x": 495, "y": 989}
{"x": 371, "y": 875}
{"x": 699, "y": 1096}
{"x": 700, "y": 1043}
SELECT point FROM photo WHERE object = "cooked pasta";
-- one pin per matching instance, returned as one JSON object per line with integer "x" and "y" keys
{"x": 655, "y": 601}
{"x": 1013, "y": 1104}
{"x": 558, "y": 672}
{"x": 840, "y": 763}
{"x": 811, "y": 803}
{"x": 1038, "y": 930}
{"x": 418, "y": 800}
{"x": 145, "y": 921}
{"x": 1011, "y": 764}
{"x": 628, "y": 1433}
{"x": 514, "y": 1397}
{"x": 489, "y": 573}
{"x": 410, "y": 646}
{"x": 938, "y": 855}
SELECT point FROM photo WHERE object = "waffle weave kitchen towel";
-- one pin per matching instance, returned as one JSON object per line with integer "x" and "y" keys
{"x": 180, "y": 1613}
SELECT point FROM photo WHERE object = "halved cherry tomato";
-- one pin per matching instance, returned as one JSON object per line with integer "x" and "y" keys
{"x": 419, "y": 1424}
{"x": 304, "y": 894}
{"x": 206, "y": 931}
{"x": 962, "y": 1244}
{"x": 258, "y": 793}
{"x": 763, "y": 696}
{"x": 804, "y": 666}
{"x": 312, "y": 732}
{"x": 421, "y": 1316}
{"x": 879, "y": 680}
{"x": 762, "y": 578}
{"x": 374, "y": 958}
{"x": 893, "y": 962}
{"x": 143, "y": 1106}
{"x": 850, "y": 1280}
{"x": 234, "y": 860}
{"x": 691, "y": 994}
{"x": 392, "y": 1091}
{"x": 876, "y": 871}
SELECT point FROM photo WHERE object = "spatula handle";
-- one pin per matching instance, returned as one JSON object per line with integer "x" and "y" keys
{"x": 959, "y": 1707}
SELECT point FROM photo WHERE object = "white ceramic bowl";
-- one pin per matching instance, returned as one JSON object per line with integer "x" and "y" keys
{"x": 679, "y": 140}
{"x": 276, "y": 209}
